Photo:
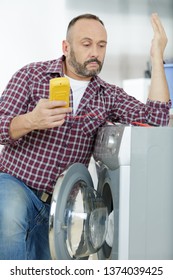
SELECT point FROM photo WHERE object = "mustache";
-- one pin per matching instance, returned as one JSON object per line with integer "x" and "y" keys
{"x": 93, "y": 60}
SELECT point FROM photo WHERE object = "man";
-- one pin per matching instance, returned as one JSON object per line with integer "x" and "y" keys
{"x": 41, "y": 137}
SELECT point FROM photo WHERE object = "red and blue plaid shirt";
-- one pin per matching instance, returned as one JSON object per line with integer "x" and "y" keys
{"x": 39, "y": 157}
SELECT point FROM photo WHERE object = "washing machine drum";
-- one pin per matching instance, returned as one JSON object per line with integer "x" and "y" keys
{"x": 78, "y": 216}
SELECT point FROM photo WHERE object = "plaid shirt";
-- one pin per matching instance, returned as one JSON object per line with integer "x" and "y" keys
{"x": 39, "y": 157}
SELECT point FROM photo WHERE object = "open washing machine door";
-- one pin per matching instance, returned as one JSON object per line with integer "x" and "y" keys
{"x": 78, "y": 216}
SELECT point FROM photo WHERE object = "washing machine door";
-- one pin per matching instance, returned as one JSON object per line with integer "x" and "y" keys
{"x": 78, "y": 216}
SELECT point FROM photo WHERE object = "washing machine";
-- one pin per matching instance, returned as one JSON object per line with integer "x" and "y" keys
{"x": 135, "y": 176}
{"x": 129, "y": 215}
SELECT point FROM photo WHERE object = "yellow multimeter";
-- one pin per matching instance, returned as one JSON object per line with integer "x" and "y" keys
{"x": 59, "y": 89}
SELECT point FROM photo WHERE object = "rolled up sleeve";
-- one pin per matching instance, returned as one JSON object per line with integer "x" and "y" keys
{"x": 13, "y": 102}
{"x": 158, "y": 112}
{"x": 4, "y": 130}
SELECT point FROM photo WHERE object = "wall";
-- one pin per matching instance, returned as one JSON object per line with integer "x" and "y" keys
{"x": 33, "y": 30}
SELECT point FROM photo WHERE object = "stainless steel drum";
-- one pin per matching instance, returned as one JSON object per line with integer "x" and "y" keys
{"x": 78, "y": 216}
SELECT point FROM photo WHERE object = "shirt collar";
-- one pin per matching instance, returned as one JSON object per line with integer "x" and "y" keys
{"x": 56, "y": 66}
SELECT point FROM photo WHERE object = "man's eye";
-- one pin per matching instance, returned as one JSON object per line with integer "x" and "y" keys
{"x": 102, "y": 45}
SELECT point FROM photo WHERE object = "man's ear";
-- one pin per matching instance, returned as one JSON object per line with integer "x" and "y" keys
{"x": 65, "y": 47}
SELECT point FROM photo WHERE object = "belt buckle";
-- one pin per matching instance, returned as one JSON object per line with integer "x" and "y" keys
{"x": 44, "y": 196}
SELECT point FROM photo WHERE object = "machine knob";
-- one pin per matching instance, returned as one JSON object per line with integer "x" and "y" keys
{"x": 112, "y": 143}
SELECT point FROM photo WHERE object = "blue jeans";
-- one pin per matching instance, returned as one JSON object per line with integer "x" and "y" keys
{"x": 24, "y": 221}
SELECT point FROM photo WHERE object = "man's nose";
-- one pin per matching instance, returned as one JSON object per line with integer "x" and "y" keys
{"x": 94, "y": 51}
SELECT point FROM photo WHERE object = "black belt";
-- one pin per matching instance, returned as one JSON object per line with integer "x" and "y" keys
{"x": 43, "y": 196}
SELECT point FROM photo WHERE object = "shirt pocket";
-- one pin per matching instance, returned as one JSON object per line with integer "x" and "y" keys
{"x": 37, "y": 92}
{"x": 92, "y": 120}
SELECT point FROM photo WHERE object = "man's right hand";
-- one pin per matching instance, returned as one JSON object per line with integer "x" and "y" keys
{"x": 46, "y": 114}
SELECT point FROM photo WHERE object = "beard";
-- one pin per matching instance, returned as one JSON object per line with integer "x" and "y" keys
{"x": 81, "y": 69}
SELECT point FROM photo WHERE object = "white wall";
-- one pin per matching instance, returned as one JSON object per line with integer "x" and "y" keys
{"x": 30, "y": 31}
{"x": 33, "y": 30}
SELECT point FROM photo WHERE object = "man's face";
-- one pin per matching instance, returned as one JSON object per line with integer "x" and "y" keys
{"x": 94, "y": 65}
{"x": 85, "y": 49}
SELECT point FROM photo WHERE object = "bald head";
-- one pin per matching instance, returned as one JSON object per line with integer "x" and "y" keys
{"x": 78, "y": 18}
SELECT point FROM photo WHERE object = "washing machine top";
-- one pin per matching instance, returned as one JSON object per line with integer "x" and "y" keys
{"x": 78, "y": 216}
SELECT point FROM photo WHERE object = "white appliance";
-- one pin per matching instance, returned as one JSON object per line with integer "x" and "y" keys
{"x": 135, "y": 175}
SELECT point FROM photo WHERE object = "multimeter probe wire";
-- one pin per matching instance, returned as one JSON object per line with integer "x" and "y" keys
{"x": 92, "y": 115}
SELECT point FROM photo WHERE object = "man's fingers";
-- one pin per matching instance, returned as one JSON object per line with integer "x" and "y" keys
{"x": 157, "y": 24}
